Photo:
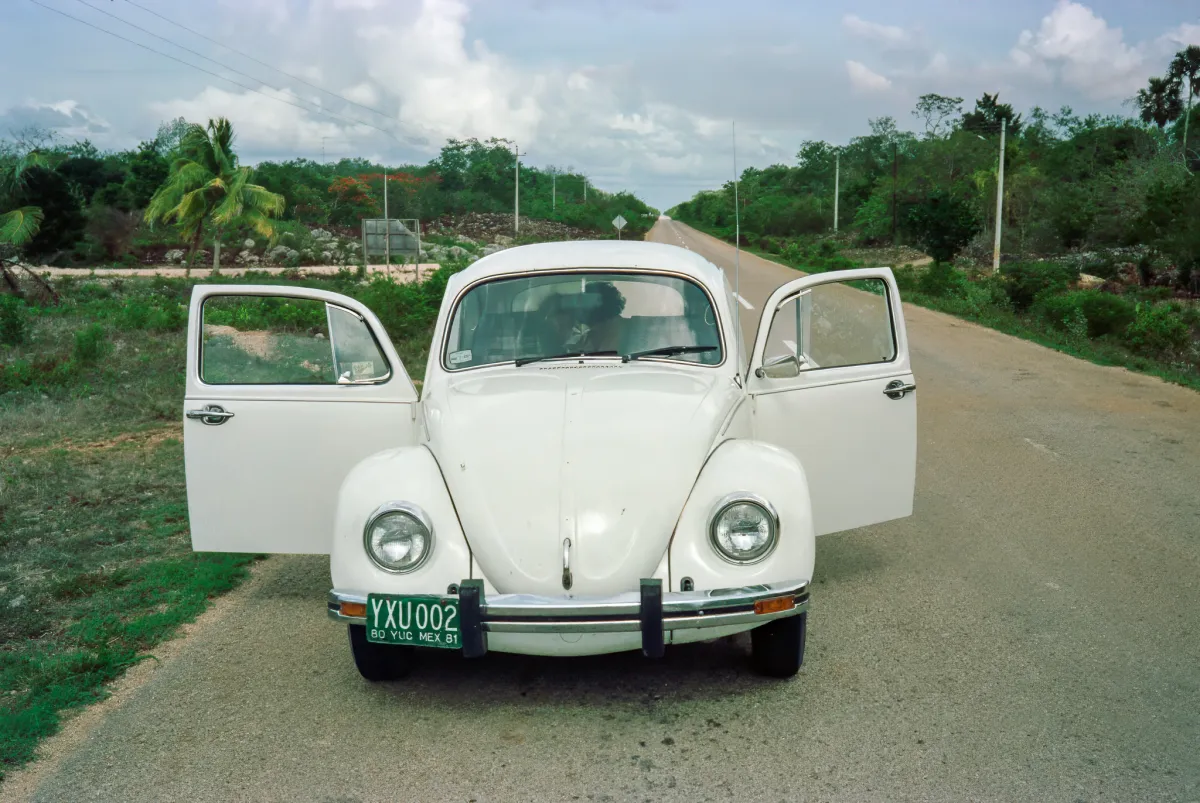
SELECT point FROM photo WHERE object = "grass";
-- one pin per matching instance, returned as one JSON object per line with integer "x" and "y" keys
{"x": 1181, "y": 369}
{"x": 97, "y": 564}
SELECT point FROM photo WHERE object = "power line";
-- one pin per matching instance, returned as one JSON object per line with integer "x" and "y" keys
{"x": 323, "y": 113}
{"x": 207, "y": 58}
{"x": 257, "y": 61}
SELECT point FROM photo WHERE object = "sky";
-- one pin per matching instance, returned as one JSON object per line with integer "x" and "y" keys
{"x": 637, "y": 95}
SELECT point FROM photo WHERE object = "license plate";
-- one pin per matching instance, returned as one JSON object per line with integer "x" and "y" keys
{"x": 419, "y": 621}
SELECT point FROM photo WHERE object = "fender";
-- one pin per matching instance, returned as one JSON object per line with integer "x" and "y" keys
{"x": 408, "y": 474}
{"x": 754, "y": 467}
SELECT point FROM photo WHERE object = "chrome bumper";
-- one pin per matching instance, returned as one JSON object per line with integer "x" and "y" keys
{"x": 627, "y": 612}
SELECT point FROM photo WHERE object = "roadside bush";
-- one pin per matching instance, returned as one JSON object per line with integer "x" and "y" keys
{"x": 1103, "y": 313}
{"x": 1025, "y": 281}
{"x": 1157, "y": 329}
{"x": 14, "y": 321}
{"x": 942, "y": 279}
{"x": 156, "y": 314}
{"x": 91, "y": 343}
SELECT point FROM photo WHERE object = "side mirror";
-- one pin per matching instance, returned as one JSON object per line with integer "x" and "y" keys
{"x": 785, "y": 366}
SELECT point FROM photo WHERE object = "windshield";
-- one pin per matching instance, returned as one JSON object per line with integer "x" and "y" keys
{"x": 545, "y": 316}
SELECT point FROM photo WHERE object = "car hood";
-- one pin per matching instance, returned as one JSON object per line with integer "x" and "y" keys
{"x": 602, "y": 456}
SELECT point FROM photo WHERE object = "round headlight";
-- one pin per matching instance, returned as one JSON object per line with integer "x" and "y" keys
{"x": 744, "y": 528}
{"x": 398, "y": 537}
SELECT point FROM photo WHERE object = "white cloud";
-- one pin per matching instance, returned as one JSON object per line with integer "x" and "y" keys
{"x": 873, "y": 31}
{"x": 1186, "y": 34}
{"x": 258, "y": 121}
{"x": 65, "y": 118}
{"x": 364, "y": 93}
{"x": 1080, "y": 47}
{"x": 864, "y": 79}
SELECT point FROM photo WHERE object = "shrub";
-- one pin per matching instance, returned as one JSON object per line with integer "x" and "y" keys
{"x": 906, "y": 278}
{"x": 14, "y": 321}
{"x": 1102, "y": 313}
{"x": 156, "y": 314}
{"x": 91, "y": 343}
{"x": 1025, "y": 281}
{"x": 941, "y": 279}
{"x": 1157, "y": 329}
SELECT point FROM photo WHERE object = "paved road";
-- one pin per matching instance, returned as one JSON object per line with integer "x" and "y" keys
{"x": 1031, "y": 633}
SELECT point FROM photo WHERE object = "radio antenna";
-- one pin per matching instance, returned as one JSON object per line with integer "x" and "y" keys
{"x": 737, "y": 252}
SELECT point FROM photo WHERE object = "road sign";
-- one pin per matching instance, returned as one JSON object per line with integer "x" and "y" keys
{"x": 619, "y": 222}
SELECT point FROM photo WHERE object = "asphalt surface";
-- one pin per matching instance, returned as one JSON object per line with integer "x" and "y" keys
{"x": 1032, "y": 632}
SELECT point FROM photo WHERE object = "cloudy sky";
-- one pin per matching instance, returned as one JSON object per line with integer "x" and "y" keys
{"x": 639, "y": 95}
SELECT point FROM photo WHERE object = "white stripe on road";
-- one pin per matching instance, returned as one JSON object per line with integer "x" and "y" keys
{"x": 743, "y": 301}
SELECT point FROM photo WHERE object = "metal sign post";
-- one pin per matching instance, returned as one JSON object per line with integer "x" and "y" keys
{"x": 619, "y": 222}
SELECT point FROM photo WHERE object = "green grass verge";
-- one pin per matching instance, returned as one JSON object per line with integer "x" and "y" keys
{"x": 97, "y": 565}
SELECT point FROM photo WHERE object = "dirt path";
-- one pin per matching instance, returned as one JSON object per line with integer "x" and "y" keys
{"x": 401, "y": 272}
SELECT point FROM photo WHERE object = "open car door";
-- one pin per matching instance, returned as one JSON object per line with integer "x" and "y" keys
{"x": 831, "y": 382}
{"x": 287, "y": 389}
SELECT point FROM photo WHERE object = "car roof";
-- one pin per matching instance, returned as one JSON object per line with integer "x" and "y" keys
{"x": 598, "y": 254}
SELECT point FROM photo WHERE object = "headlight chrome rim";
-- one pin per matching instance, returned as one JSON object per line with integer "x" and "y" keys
{"x": 406, "y": 508}
{"x": 743, "y": 497}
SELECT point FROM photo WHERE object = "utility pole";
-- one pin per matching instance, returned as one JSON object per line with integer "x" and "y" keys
{"x": 517, "y": 190}
{"x": 553, "y": 190}
{"x": 387, "y": 227}
{"x": 999, "y": 199}
{"x": 837, "y": 175}
{"x": 585, "y": 189}
{"x": 895, "y": 162}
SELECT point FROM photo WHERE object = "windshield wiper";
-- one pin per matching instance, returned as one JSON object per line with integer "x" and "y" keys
{"x": 526, "y": 360}
{"x": 668, "y": 351}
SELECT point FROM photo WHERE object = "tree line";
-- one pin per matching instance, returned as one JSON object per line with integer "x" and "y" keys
{"x": 71, "y": 203}
{"x": 1071, "y": 183}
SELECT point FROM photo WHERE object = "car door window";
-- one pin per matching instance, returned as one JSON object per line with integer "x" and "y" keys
{"x": 267, "y": 340}
{"x": 833, "y": 325}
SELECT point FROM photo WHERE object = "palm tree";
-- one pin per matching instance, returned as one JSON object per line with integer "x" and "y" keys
{"x": 21, "y": 225}
{"x": 206, "y": 185}
{"x": 1186, "y": 65}
{"x": 1159, "y": 102}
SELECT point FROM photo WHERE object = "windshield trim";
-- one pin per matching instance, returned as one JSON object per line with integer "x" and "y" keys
{"x": 444, "y": 353}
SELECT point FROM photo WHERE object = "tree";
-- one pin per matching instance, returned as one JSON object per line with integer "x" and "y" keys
{"x": 943, "y": 224}
{"x": 934, "y": 110}
{"x": 989, "y": 111}
{"x": 19, "y": 226}
{"x": 1159, "y": 102}
{"x": 206, "y": 184}
{"x": 1186, "y": 67}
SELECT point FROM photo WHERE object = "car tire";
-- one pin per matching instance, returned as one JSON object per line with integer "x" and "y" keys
{"x": 777, "y": 648}
{"x": 378, "y": 662}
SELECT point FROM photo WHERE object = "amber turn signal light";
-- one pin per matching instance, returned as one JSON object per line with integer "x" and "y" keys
{"x": 354, "y": 609}
{"x": 774, "y": 605}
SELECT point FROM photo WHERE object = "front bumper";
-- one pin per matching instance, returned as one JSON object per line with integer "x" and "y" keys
{"x": 649, "y": 610}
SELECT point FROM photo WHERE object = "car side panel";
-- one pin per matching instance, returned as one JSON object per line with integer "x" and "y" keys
{"x": 754, "y": 467}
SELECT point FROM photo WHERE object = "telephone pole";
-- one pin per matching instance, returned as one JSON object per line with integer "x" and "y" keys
{"x": 999, "y": 199}
{"x": 516, "y": 190}
{"x": 837, "y": 176}
{"x": 387, "y": 227}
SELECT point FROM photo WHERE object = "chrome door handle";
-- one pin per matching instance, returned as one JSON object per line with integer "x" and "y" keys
{"x": 898, "y": 387}
{"x": 211, "y": 414}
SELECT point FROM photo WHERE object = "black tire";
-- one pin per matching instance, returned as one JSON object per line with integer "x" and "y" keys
{"x": 378, "y": 662}
{"x": 777, "y": 648}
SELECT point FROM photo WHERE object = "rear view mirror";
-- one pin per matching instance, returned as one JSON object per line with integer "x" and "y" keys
{"x": 785, "y": 366}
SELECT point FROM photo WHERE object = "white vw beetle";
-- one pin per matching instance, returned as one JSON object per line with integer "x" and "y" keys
{"x": 594, "y": 464}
